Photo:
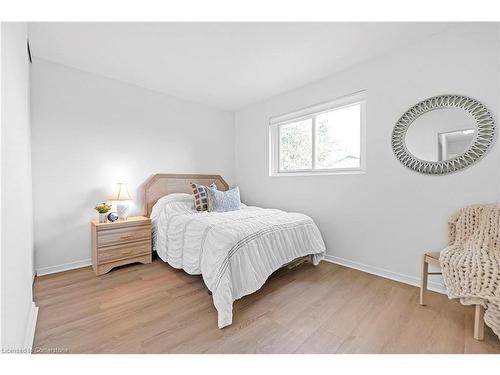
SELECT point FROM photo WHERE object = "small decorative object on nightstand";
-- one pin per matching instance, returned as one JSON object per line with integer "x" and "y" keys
{"x": 103, "y": 210}
{"x": 120, "y": 243}
{"x": 122, "y": 195}
{"x": 112, "y": 217}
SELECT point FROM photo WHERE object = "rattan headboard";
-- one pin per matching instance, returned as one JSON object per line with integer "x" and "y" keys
{"x": 160, "y": 185}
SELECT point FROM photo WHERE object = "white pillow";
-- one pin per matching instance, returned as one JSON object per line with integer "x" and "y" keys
{"x": 187, "y": 199}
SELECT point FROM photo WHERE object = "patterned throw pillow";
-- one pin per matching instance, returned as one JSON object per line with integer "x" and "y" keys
{"x": 223, "y": 201}
{"x": 200, "y": 196}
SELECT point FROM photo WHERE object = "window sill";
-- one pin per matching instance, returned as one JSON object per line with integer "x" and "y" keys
{"x": 318, "y": 173}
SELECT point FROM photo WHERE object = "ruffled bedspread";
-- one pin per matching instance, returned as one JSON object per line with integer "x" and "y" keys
{"x": 235, "y": 251}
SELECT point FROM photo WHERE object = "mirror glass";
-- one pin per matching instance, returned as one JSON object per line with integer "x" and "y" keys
{"x": 440, "y": 134}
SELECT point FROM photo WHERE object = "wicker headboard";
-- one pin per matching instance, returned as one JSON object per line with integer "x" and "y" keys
{"x": 160, "y": 185}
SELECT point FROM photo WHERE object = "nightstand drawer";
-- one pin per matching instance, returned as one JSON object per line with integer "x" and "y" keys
{"x": 121, "y": 235}
{"x": 132, "y": 249}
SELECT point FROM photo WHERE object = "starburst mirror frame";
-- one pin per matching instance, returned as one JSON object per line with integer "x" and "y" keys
{"x": 482, "y": 142}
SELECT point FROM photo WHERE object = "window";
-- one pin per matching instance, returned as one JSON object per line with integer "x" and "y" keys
{"x": 323, "y": 139}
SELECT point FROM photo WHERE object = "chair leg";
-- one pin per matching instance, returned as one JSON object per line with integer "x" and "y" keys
{"x": 479, "y": 323}
{"x": 423, "y": 281}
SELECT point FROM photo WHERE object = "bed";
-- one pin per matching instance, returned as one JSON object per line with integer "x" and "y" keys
{"x": 236, "y": 251}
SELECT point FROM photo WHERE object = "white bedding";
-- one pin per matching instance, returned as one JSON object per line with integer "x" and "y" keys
{"x": 235, "y": 251}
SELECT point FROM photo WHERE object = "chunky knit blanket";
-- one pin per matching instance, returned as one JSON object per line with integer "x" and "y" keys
{"x": 471, "y": 262}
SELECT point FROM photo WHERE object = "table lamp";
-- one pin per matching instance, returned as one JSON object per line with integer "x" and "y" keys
{"x": 122, "y": 196}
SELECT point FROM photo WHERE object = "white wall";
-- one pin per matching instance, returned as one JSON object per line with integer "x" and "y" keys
{"x": 18, "y": 309}
{"x": 383, "y": 220}
{"x": 90, "y": 132}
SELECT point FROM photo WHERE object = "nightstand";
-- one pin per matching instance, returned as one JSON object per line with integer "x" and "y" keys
{"x": 119, "y": 243}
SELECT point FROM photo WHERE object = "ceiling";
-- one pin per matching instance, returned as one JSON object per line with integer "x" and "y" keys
{"x": 226, "y": 65}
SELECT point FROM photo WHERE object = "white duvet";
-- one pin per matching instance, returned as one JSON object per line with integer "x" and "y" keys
{"x": 235, "y": 251}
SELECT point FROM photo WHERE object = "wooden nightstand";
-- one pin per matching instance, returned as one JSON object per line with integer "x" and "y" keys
{"x": 121, "y": 242}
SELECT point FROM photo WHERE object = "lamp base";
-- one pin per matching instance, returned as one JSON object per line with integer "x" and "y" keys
{"x": 122, "y": 211}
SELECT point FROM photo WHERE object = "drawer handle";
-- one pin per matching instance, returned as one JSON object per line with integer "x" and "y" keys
{"x": 124, "y": 237}
{"x": 126, "y": 252}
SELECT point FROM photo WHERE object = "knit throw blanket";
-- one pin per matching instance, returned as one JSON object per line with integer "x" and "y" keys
{"x": 471, "y": 262}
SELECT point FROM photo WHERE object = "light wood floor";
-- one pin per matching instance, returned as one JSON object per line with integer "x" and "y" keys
{"x": 326, "y": 309}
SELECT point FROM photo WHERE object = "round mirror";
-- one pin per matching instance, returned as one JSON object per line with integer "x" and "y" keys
{"x": 443, "y": 134}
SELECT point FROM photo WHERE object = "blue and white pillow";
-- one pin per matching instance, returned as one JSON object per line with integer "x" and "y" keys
{"x": 223, "y": 201}
{"x": 200, "y": 195}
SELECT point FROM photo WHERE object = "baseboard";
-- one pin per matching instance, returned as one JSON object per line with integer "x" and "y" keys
{"x": 406, "y": 279}
{"x": 63, "y": 267}
{"x": 30, "y": 326}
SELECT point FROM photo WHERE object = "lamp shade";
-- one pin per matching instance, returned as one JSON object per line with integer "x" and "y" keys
{"x": 121, "y": 193}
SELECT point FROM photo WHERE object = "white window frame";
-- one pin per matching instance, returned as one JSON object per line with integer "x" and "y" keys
{"x": 311, "y": 113}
